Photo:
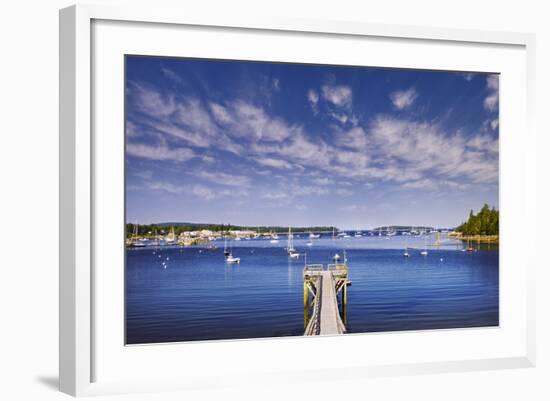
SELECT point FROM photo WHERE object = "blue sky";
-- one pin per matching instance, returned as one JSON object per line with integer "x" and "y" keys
{"x": 256, "y": 143}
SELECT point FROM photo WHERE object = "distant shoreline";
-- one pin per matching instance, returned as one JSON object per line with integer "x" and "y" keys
{"x": 482, "y": 239}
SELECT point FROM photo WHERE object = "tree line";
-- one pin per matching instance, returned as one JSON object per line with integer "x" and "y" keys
{"x": 152, "y": 229}
{"x": 485, "y": 222}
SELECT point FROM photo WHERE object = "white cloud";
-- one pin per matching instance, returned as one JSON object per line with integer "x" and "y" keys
{"x": 313, "y": 99}
{"x": 225, "y": 179}
{"x": 171, "y": 75}
{"x": 275, "y": 196}
{"x": 343, "y": 118}
{"x": 241, "y": 119}
{"x": 322, "y": 181}
{"x": 152, "y": 102}
{"x": 491, "y": 101}
{"x": 350, "y": 208}
{"x": 161, "y": 152}
{"x": 420, "y": 184}
{"x": 132, "y": 130}
{"x": 484, "y": 142}
{"x": 144, "y": 174}
{"x": 356, "y": 138}
{"x": 339, "y": 95}
{"x": 409, "y": 150}
{"x": 203, "y": 192}
{"x": 275, "y": 163}
{"x": 404, "y": 98}
{"x": 165, "y": 186}
{"x": 344, "y": 192}
{"x": 183, "y": 118}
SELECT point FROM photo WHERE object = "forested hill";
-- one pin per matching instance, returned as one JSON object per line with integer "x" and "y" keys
{"x": 485, "y": 222}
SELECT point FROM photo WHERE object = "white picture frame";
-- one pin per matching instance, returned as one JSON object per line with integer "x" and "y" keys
{"x": 78, "y": 217}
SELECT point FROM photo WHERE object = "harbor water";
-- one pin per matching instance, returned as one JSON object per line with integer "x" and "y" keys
{"x": 176, "y": 293}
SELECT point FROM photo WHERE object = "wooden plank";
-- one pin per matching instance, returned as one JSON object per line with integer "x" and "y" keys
{"x": 330, "y": 320}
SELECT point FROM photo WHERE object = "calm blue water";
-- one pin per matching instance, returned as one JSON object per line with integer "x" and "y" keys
{"x": 182, "y": 294}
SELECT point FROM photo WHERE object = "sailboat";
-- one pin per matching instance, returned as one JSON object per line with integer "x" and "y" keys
{"x": 274, "y": 239}
{"x": 290, "y": 246}
{"x": 229, "y": 258}
{"x": 425, "y": 251}
{"x": 406, "y": 253}
{"x": 170, "y": 239}
{"x": 313, "y": 236}
{"x": 155, "y": 241}
{"x": 135, "y": 241}
{"x": 225, "y": 251}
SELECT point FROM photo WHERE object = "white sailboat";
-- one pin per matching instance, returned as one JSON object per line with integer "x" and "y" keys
{"x": 229, "y": 258}
{"x": 425, "y": 251}
{"x": 136, "y": 242}
{"x": 274, "y": 239}
{"x": 290, "y": 246}
{"x": 313, "y": 236}
{"x": 170, "y": 239}
{"x": 406, "y": 253}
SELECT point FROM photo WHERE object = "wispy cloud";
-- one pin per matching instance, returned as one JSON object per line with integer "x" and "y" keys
{"x": 171, "y": 75}
{"x": 225, "y": 179}
{"x": 160, "y": 152}
{"x": 491, "y": 101}
{"x": 271, "y": 162}
{"x": 403, "y": 98}
{"x": 344, "y": 192}
{"x": 338, "y": 95}
{"x": 355, "y": 138}
{"x": 313, "y": 99}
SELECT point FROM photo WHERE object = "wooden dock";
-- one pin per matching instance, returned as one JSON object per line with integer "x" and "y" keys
{"x": 325, "y": 284}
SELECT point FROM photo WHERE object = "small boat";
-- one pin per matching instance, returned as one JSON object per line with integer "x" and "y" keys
{"x": 358, "y": 234}
{"x": 313, "y": 236}
{"x": 170, "y": 239}
{"x": 425, "y": 251}
{"x": 230, "y": 259}
{"x": 309, "y": 243}
{"x": 136, "y": 242}
{"x": 226, "y": 253}
{"x": 274, "y": 241}
{"x": 290, "y": 246}
{"x": 406, "y": 254}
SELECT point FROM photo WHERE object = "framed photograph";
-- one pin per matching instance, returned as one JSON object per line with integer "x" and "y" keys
{"x": 238, "y": 194}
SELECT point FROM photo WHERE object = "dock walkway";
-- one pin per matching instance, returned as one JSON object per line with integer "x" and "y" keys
{"x": 324, "y": 285}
